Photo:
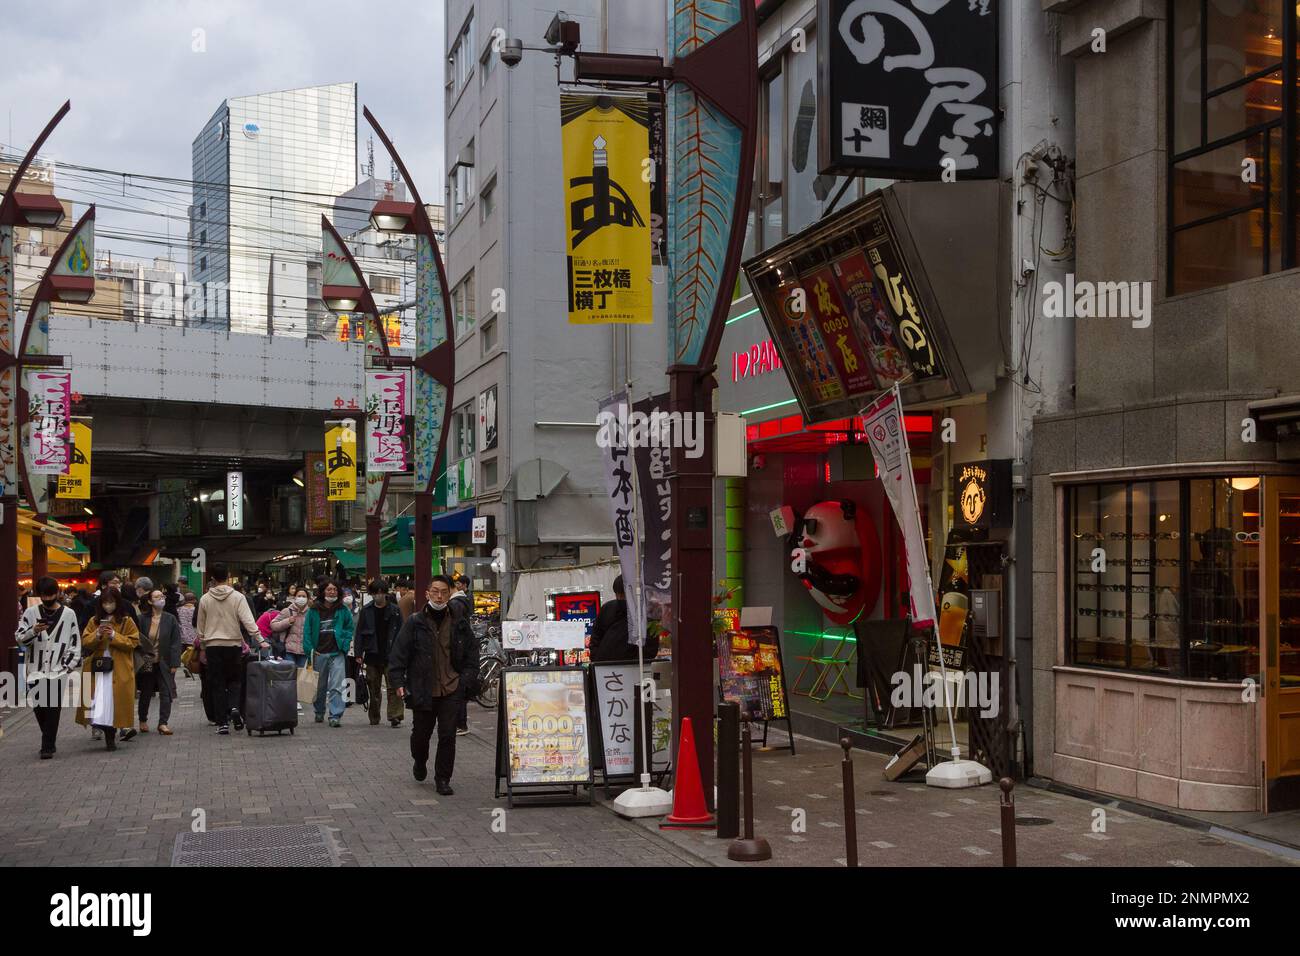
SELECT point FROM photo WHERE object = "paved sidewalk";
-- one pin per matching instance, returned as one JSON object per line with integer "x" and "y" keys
{"x": 91, "y": 807}
{"x": 909, "y": 824}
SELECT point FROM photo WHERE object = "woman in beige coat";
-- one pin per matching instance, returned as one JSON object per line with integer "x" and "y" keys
{"x": 110, "y": 634}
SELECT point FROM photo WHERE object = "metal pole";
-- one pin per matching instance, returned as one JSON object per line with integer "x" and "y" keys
{"x": 373, "y": 523}
{"x": 749, "y": 848}
{"x": 1008, "y": 827}
{"x": 728, "y": 771}
{"x": 850, "y": 807}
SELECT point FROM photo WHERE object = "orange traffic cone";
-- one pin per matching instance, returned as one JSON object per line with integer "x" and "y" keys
{"x": 689, "y": 810}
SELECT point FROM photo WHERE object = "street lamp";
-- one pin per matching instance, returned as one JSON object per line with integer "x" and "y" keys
{"x": 16, "y": 209}
{"x": 435, "y": 354}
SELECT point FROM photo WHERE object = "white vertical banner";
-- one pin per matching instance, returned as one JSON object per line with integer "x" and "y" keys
{"x": 619, "y": 482}
{"x": 883, "y": 421}
{"x": 386, "y": 410}
{"x": 49, "y": 445}
{"x": 234, "y": 501}
{"x": 616, "y": 693}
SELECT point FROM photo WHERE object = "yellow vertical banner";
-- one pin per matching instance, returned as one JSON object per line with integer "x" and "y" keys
{"x": 341, "y": 459}
{"x": 76, "y": 483}
{"x": 608, "y": 169}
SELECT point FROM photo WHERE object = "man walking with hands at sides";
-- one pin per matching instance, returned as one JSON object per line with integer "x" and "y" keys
{"x": 433, "y": 665}
{"x": 377, "y": 627}
{"x": 223, "y": 619}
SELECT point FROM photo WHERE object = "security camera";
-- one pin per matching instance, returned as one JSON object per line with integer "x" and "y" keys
{"x": 512, "y": 51}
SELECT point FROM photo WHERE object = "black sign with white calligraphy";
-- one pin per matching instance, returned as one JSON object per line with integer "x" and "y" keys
{"x": 653, "y": 464}
{"x": 908, "y": 89}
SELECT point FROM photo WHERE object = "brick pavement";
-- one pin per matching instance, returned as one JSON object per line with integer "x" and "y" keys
{"x": 90, "y": 807}
{"x": 909, "y": 824}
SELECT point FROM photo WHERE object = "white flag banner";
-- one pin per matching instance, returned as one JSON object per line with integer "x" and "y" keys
{"x": 619, "y": 482}
{"x": 883, "y": 421}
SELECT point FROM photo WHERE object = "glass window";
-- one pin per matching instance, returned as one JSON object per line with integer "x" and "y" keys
{"x": 1165, "y": 577}
{"x": 462, "y": 430}
{"x": 487, "y": 201}
{"x": 488, "y": 478}
{"x": 772, "y": 164}
{"x": 1228, "y": 127}
{"x": 489, "y": 335}
{"x": 462, "y": 302}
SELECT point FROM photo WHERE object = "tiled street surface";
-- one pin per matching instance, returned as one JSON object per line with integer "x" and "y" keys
{"x": 909, "y": 824}
{"x": 90, "y": 807}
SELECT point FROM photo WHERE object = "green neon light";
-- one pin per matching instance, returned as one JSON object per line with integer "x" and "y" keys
{"x": 764, "y": 408}
{"x": 743, "y": 315}
{"x": 821, "y": 636}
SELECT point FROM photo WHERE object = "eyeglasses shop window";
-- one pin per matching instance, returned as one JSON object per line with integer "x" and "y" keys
{"x": 1165, "y": 577}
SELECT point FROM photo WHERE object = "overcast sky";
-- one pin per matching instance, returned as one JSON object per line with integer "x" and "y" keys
{"x": 140, "y": 92}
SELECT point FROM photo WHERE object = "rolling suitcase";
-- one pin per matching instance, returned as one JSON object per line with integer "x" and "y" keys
{"x": 271, "y": 696}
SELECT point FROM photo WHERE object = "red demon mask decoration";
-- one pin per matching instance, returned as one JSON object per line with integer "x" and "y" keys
{"x": 836, "y": 545}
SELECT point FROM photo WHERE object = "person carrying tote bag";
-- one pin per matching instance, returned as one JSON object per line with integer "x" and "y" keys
{"x": 108, "y": 651}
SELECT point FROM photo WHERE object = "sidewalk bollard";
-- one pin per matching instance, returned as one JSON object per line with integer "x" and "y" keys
{"x": 749, "y": 848}
{"x": 850, "y": 807}
{"x": 728, "y": 771}
{"x": 1008, "y": 822}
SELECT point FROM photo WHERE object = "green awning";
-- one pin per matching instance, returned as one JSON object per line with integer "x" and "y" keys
{"x": 402, "y": 560}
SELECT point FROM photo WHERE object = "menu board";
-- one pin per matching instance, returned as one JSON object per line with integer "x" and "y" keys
{"x": 546, "y": 726}
{"x": 846, "y": 315}
{"x": 752, "y": 674}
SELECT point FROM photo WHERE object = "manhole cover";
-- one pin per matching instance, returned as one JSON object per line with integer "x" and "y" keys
{"x": 305, "y": 845}
{"x": 1032, "y": 821}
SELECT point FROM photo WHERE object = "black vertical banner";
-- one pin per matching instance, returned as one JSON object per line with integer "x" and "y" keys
{"x": 653, "y": 463}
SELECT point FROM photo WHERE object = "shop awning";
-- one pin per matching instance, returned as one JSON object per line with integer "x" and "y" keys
{"x": 460, "y": 521}
{"x": 390, "y": 562}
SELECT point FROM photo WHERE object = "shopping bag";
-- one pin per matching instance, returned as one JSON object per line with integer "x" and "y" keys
{"x": 308, "y": 681}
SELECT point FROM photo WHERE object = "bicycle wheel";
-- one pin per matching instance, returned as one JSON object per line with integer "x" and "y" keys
{"x": 489, "y": 673}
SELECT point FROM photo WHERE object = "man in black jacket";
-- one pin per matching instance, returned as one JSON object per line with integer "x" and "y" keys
{"x": 609, "y": 638}
{"x": 434, "y": 665}
{"x": 377, "y": 627}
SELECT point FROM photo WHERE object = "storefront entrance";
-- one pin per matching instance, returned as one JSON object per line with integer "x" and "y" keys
{"x": 1280, "y": 643}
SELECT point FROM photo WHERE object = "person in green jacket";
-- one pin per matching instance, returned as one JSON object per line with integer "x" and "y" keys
{"x": 326, "y": 640}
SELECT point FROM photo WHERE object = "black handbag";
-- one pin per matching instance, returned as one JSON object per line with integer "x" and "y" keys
{"x": 101, "y": 665}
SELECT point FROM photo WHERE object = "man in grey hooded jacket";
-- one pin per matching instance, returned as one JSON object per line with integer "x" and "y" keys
{"x": 223, "y": 620}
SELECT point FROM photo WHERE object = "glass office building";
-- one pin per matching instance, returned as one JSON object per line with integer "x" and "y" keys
{"x": 265, "y": 168}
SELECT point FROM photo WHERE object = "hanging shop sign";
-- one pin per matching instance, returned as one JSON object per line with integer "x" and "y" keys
{"x": 341, "y": 460}
{"x": 386, "y": 411}
{"x": 606, "y": 142}
{"x": 546, "y": 729}
{"x": 566, "y": 635}
{"x": 234, "y": 501}
{"x": 478, "y": 530}
{"x": 846, "y": 315}
{"x": 49, "y": 436}
{"x": 835, "y": 553}
{"x": 759, "y": 359}
{"x": 908, "y": 91}
{"x": 982, "y": 498}
{"x": 320, "y": 515}
{"x": 487, "y": 419}
{"x": 76, "y": 483}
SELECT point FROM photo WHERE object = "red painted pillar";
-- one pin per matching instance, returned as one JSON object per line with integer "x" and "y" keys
{"x": 423, "y": 545}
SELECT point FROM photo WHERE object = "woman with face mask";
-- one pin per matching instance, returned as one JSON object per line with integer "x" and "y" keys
{"x": 157, "y": 658}
{"x": 108, "y": 653}
{"x": 287, "y": 625}
{"x": 326, "y": 639}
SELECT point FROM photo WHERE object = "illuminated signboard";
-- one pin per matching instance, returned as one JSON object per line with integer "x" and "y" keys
{"x": 847, "y": 316}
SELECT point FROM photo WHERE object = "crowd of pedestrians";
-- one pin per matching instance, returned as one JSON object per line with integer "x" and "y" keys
{"x": 124, "y": 644}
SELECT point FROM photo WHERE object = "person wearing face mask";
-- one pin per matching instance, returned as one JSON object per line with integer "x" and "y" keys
{"x": 223, "y": 620}
{"x": 157, "y": 658}
{"x": 434, "y": 666}
{"x": 262, "y": 600}
{"x": 326, "y": 638}
{"x": 108, "y": 667}
{"x": 51, "y": 641}
{"x": 377, "y": 627}
{"x": 287, "y": 626}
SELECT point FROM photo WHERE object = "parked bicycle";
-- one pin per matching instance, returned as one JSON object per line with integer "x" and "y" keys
{"x": 491, "y": 661}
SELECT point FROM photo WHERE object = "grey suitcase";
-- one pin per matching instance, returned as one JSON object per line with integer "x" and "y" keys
{"x": 271, "y": 697}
